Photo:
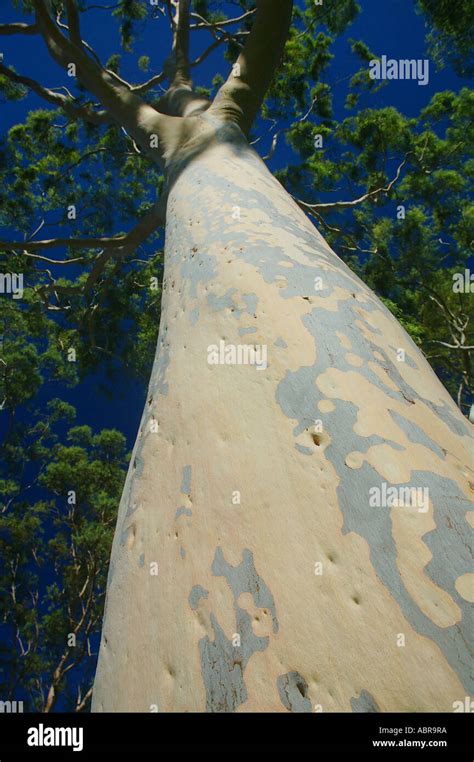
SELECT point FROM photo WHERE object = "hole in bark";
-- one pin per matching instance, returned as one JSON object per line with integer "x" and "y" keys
{"x": 301, "y": 688}
{"x": 356, "y": 599}
{"x": 316, "y": 439}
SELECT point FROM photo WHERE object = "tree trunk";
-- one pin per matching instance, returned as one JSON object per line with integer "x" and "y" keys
{"x": 260, "y": 560}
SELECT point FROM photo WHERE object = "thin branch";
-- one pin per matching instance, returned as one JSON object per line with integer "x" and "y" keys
{"x": 102, "y": 7}
{"x": 149, "y": 84}
{"x": 355, "y": 202}
{"x": 121, "y": 247}
{"x": 82, "y": 703}
{"x": 53, "y": 261}
{"x": 67, "y": 104}
{"x": 73, "y": 243}
{"x": 202, "y": 57}
{"x": 84, "y": 44}
{"x": 146, "y": 225}
{"x": 204, "y": 24}
{"x": 354, "y": 245}
{"x": 18, "y": 28}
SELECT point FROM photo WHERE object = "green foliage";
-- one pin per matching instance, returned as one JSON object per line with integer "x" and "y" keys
{"x": 451, "y": 33}
{"x": 129, "y": 12}
{"x": 54, "y": 556}
{"x": 144, "y": 63}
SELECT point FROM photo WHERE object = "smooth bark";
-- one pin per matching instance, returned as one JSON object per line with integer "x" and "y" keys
{"x": 280, "y": 585}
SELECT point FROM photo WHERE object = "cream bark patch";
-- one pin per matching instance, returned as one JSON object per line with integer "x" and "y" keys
{"x": 465, "y": 587}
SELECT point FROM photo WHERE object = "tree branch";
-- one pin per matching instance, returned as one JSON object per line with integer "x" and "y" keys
{"x": 53, "y": 261}
{"x": 73, "y": 22}
{"x": 142, "y": 230}
{"x": 139, "y": 119}
{"x": 64, "y": 102}
{"x": 204, "y": 24}
{"x": 241, "y": 96}
{"x": 155, "y": 80}
{"x": 182, "y": 74}
{"x": 84, "y": 44}
{"x": 202, "y": 57}
{"x": 82, "y": 703}
{"x": 355, "y": 202}
{"x": 18, "y": 28}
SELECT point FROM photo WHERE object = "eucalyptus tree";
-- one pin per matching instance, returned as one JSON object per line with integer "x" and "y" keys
{"x": 292, "y": 530}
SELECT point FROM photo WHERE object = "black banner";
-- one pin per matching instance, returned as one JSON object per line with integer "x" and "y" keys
{"x": 88, "y": 736}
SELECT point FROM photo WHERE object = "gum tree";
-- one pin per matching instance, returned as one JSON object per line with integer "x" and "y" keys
{"x": 290, "y": 536}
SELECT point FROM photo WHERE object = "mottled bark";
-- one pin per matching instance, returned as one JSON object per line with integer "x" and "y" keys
{"x": 281, "y": 586}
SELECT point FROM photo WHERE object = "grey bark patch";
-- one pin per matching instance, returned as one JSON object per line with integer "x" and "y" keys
{"x": 218, "y": 303}
{"x": 182, "y": 553}
{"x": 182, "y": 511}
{"x": 280, "y": 343}
{"x": 245, "y": 331}
{"x": 304, "y": 450}
{"x": 194, "y": 316}
{"x": 186, "y": 480}
{"x": 460, "y": 426}
{"x": 245, "y": 579}
{"x": 141, "y": 560}
{"x": 293, "y": 690}
{"x": 195, "y": 596}
{"x": 297, "y": 395}
{"x": 364, "y": 703}
{"x": 450, "y": 555}
{"x": 415, "y": 434}
{"x": 251, "y": 301}
{"x": 222, "y": 672}
{"x": 223, "y": 663}
{"x": 409, "y": 361}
